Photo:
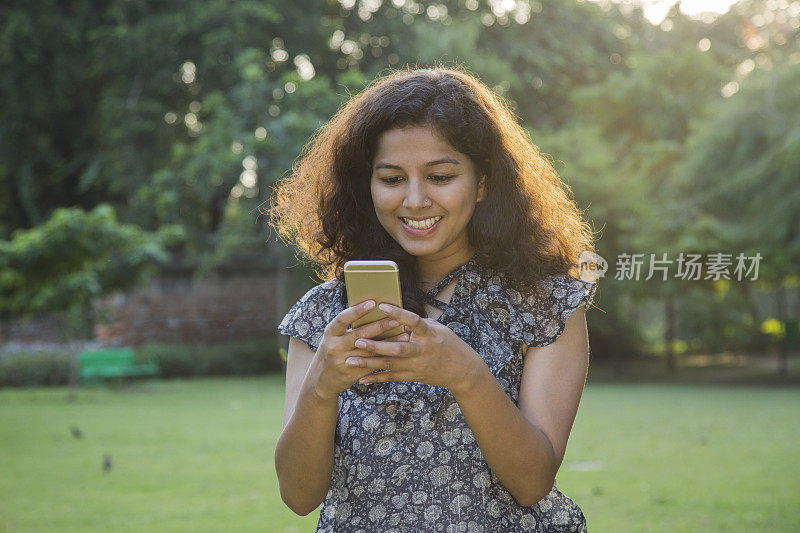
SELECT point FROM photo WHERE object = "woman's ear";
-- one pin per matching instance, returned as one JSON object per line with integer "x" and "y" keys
{"x": 481, "y": 188}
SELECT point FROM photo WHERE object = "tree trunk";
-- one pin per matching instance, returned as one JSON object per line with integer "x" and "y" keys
{"x": 669, "y": 333}
{"x": 87, "y": 319}
{"x": 783, "y": 349}
{"x": 5, "y": 327}
{"x": 73, "y": 378}
{"x": 751, "y": 303}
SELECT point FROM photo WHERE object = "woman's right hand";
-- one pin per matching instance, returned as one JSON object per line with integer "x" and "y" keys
{"x": 328, "y": 370}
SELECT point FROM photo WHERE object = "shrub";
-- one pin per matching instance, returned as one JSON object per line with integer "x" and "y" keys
{"x": 236, "y": 358}
{"x": 31, "y": 369}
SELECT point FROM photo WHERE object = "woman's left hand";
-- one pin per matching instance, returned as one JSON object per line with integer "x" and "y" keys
{"x": 434, "y": 354}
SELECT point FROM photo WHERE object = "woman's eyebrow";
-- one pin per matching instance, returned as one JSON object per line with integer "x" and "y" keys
{"x": 428, "y": 164}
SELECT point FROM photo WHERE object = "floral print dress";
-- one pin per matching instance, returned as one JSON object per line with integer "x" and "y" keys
{"x": 405, "y": 459}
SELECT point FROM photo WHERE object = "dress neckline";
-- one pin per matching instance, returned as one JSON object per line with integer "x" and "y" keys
{"x": 430, "y": 296}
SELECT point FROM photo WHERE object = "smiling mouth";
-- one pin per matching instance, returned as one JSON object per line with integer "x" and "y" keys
{"x": 421, "y": 224}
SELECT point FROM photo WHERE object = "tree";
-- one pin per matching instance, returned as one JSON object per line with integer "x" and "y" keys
{"x": 74, "y": 257}
{"x": 742, "y": 169}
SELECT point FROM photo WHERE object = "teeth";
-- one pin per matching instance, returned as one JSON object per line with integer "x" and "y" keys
{"x": 422, "y": 224}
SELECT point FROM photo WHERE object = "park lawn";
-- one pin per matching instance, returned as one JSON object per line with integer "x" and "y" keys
{"x": 196, "y": 455}
{"x": 686, "y": 458}
{"x": 188, "y": 455}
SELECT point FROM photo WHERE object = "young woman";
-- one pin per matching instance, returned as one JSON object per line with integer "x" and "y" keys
{"x": 461, "y": 422}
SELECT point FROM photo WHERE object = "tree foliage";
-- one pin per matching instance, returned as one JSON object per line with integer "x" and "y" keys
{"x": 675, "y": 137}
{"x": 74, "y": 257}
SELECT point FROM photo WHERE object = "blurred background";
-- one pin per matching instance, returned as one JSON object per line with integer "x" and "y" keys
{"x": 141, "y": 373}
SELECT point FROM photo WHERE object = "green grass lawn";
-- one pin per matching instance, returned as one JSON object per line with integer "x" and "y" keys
{"x": 196, "y": 455}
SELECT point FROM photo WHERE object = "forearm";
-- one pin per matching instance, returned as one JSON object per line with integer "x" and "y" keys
{"x": 517, "y": 451}
{"x": 304, "y": 452}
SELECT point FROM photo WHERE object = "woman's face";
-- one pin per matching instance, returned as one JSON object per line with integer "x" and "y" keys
{"x": 424, "y": 192}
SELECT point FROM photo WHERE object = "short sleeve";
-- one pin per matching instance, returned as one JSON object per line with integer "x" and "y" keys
{"x": 307, "y": 318}
{"x": 543, "y": 322}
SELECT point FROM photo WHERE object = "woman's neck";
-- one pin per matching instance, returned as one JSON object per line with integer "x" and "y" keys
{"x": 432, "y": 271}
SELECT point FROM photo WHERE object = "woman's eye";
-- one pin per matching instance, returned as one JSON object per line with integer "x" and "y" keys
{"x": 392, "y": 180}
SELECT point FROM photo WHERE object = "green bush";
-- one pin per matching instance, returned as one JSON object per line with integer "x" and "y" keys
{"x": 236, "y": 358}
{"x": 31, "y": 369}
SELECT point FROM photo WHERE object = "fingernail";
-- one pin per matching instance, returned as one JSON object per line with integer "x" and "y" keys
{"x": 351, "y": 362}
{"x": 369, "y": 304}
{"x": 363, "y": 381}
{"x": 385, "y": 307}
{"x": 361, "y": 343}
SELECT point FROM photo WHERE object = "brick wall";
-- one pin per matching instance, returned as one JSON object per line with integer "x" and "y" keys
{"x": 47, "y": 329}
{"x": 177, "y": 310}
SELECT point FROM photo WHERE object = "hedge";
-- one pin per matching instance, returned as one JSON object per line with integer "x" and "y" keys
{"x": 240, "y": 358}
{"x": 31, "y": 369}
{"x": 174, "y": 361}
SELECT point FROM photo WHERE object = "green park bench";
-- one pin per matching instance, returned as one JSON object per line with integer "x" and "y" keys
{"x": 98, "y": 365}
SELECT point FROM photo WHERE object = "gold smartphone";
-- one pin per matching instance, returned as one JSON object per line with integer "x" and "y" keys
{"x": 373, "y": 280}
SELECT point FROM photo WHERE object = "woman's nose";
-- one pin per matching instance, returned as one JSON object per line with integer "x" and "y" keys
{"x": 416, "y": 195}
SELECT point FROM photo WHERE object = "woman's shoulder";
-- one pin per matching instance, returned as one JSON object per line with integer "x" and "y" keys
{"x": 566, "y": 287}
{"x": 546, "y": 290}
{"x": 322, "y": 290}
{"x": 536, "y": 315}
{"x": 323, "y": 297}
{"x": 307, "y": 318}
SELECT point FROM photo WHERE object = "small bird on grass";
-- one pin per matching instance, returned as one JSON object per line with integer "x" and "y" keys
{"x": 107, "y": 463}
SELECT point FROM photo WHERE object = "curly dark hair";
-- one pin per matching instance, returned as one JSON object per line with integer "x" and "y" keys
{"x": 526, "y": 228}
